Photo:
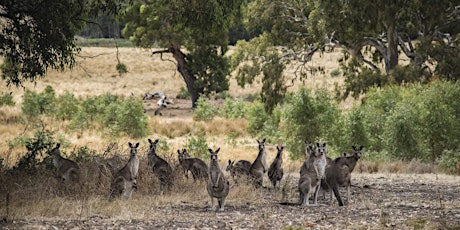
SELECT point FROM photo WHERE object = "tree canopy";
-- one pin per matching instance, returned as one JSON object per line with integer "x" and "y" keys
{"x": 371, "y": 34}
{"x": 196, "y": 33}
{"x": 37, "y": 35}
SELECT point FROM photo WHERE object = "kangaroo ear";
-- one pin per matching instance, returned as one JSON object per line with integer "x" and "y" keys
{"x": 130, "y": 145}
{"x": 324, "y": 145}
{"x": 137, "y": 145}
{"x": 150, "y": 141}
{"x": 263, "y": 141}
{"x": 317, "y": 144}
{"x": 210, "y": 151}
{"x": 58, "y": 145}
{"x": 361, "y": 148}
{"x": 217, "y": 150}
{"x": 354, "y": 147}
{"x": 156, "y": 141}
{"x": 229, "y": 162}
{"x": 178, "y": 151}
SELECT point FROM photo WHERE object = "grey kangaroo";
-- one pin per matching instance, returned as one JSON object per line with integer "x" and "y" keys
{"x": 217, "y": 186}
{"x": 275, "y": 171}
{"x": 66, "y": 170}
{"x": 196, "y": 166}
{"x": 339, "y": 172}
{"x": 160, "y": 167}
{"x": 311, "y": 173}
{"x": 125, "y": 180}
{"x": 259, "y": 166}
{"x": 238, "y": 169}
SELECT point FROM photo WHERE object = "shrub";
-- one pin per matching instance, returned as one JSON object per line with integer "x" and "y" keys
{"x": 6, "y": 99}
{"x": 450, "y": 161}
{"x": 204, "y": 110}
{"x": 308, "y": 117}
{"x": 197, "y": 146}
{"x": 234, "y": 109}
{"x": 126, "y": 116}
{"x": 68, "y": 106}
{"x": 39, "y": 103}
{"x": 183, "y": 93}
{"x": 262, "y": 125}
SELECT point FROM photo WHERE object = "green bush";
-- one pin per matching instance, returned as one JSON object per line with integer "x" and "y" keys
{"x": 233, "y": 109}
{"x": 6, "y": 99}
{"x": 204, "y": 110}
{"x": 35, "y": 104}
{"x": 450, "y": 161}
{"x": 68, "y": 106}
{"x": 262, "y": 125}
{"x": 126, "y": 116}
{"x": 308, "y": 117}
{"x": 197, "y": 146}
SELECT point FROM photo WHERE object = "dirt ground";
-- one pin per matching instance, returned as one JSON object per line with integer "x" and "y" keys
{"x": 379, "y": 201}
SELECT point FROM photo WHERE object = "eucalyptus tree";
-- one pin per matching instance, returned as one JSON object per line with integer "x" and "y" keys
{"x": 371, "y": 34}
{"x": 38, "y": 35}
{"x": 194, "y": 32}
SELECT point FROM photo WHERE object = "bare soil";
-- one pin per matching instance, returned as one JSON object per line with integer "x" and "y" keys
{"x": 379, "y": 201}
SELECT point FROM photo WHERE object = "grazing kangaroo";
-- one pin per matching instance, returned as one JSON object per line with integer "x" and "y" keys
{"x": 125, "y": 180}
{"x": 238, "y": 169}
{"x": 275, "y": 171}
{"x": 311, "y": 173}
{"x": 340, "y": 175}
{"x": 160, "y": 167}
{"x": 259, "y": 166}
{"x": 66, "y": 170}
{"x": 196, "y": 166}
{"x": 218, "y": 186}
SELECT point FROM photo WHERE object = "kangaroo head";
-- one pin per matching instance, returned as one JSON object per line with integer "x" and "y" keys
{"x": 280, "y": 149}
{"x": 185, "y": 154}
{"x": 179, "y": 155}
{"x": 214, "y": 154}
{"x": 230, "y": 165}
{"x": 261, "y": 145}
{"x": 321, "y": 149}
{"x": 357, "y": 150}
{"x": 55, "y": 151}
{"x": 133, "y": 149}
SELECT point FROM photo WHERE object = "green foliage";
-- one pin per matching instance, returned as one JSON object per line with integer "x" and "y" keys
{"x": 6, "y": 99}
{"x": 35, "y": 104}
{"x": 82, "y": 154}
{"x": 308, "y": 117}
{"x": 233, "y": 109}
{"x": 36, "y": 146}
{"x": 121, "y": 68}
{"x": 126, "y": 116}
{"x": 450, "y": 161}
{"x": 263, "y": 125}
{"x": 67, "y": 106}
{"x": 197, "y": 146}
{"x": 204, "y": 111}
{"x": 43, "y": 35}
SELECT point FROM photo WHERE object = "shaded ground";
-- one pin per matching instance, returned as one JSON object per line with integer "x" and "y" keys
{"x": 380, "y": 201}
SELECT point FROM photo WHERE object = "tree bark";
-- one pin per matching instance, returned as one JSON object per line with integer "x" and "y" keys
{"x": 391, "y": 56}
{"x": 189, "y": 79}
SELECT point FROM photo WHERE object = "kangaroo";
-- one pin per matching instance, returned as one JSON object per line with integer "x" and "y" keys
{"x": 275, "y": 171}
{"x": 259, "y": 166}
{"x": 196, "y": 166}
{"x": 311, "y": 173}
{"x": 66, "y": 170}
{"x": 238, "y": 169}
{"x": 217, "y": 186}
{"x": 341, "y": 174}
{"x": 125, "y": 180}
{"x": 160, "y": 167}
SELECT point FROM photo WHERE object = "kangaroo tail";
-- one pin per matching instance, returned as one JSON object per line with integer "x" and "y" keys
{"x": 290, "y": 203}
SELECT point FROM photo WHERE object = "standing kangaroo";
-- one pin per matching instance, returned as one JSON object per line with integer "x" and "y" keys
{"x": 311, "y": 173}
{"x": 160, "y": 167}
{"x": 238, "y": 169}
{"x": 125, "y": 180}
{"x": 339, "y": 174}
{"x": 66, "y": 170}
{"x": 218, "y": 186}
{"x": 196, "y": 166}
{"x": 275, "y": 171}
{"x": 259, "y": 166}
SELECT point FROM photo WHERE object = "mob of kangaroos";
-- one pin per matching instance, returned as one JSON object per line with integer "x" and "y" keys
{"x": 217, "y": 186}
{"x": 275, "y": 171}
{"x": 66, "y": 170}
{"x": 259, "y": 166}
{"x": 125, "y": 180}
{"x": 160, "y": 167}
{"x": 196, "y": 166}
{"x": 339, "y": 172}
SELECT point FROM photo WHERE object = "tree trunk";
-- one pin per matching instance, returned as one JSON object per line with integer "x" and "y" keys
{"x": 391, "y": 59}
{"x": 189, "y": 79}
